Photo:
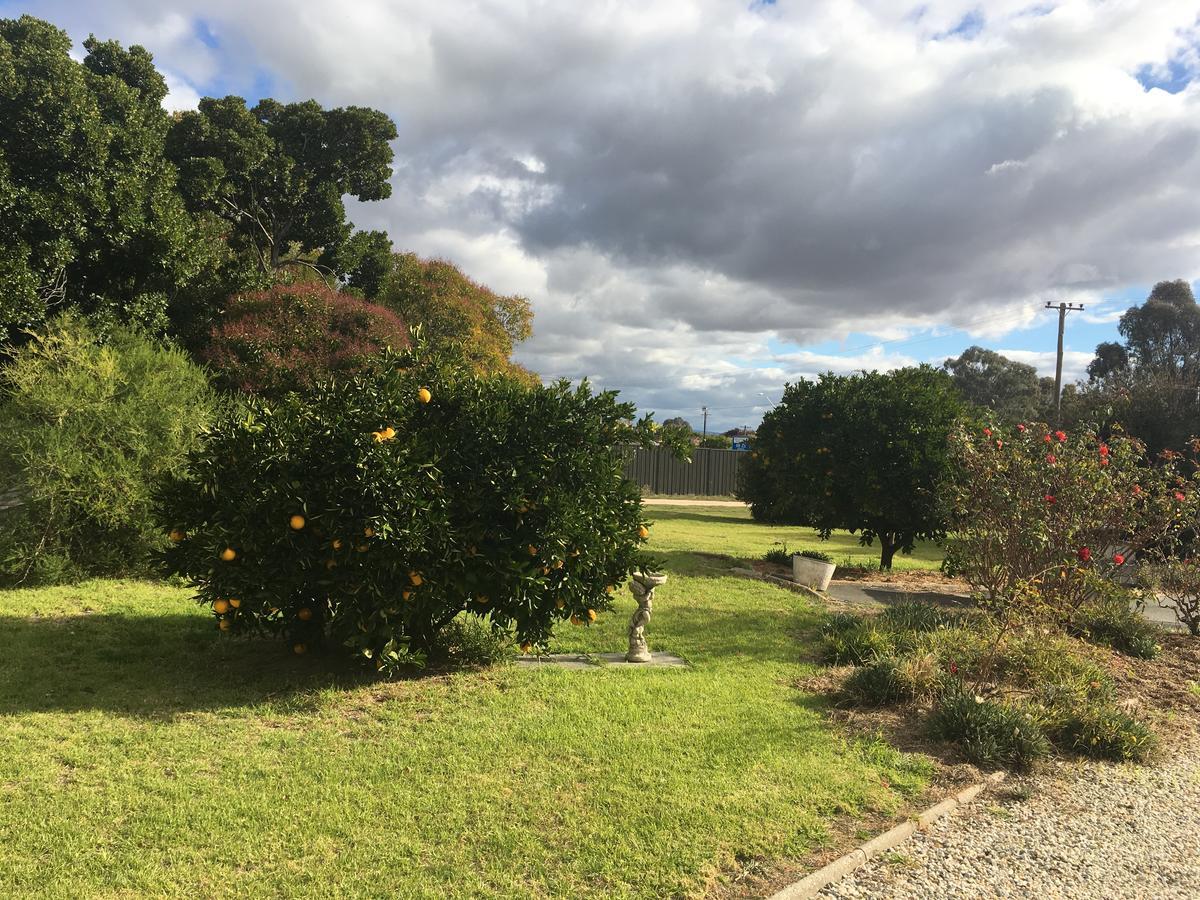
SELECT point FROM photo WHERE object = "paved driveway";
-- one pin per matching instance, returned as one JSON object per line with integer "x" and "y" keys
{"x": 872, "y": 594}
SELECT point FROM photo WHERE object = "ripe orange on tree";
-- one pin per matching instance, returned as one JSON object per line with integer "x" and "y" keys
{"x": 220, "y": 607}
{"x": 296, "y": 522}
{"x": 177, "y": 535}
{"x": 424, "y": 396}
{"x": 304, "y": 614}
{"x": 228, "y": 554}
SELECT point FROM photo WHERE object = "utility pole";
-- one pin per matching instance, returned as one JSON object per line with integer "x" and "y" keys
{"x": 1063, "y": 309}
{"x": 704, "y": 409}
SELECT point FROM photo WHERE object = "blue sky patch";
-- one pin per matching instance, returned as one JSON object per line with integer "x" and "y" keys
{"x": 1172, "y": 78}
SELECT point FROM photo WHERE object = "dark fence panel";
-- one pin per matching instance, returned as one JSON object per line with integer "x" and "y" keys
{"x": 712, "y": 473}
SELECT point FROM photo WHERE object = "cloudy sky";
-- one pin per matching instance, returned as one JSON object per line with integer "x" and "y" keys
{"x": 707, "y": 199}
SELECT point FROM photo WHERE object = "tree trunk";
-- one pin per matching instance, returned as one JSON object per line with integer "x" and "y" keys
{"x": 887, "y": 549}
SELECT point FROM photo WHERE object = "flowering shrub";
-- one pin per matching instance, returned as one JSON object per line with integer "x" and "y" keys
{"x": 373, "y": 511}
{"x": 1176, "y": 583}
{"x": 292, "y": 336}
{"x": 1042, "y": 521}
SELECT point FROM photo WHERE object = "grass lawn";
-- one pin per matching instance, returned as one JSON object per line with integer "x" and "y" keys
{"x": 145, "y": 754}
{"x": 729, "y": 530}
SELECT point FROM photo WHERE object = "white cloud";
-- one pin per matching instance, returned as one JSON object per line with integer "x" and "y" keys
{"x": 180, "y": 94}
{"x": 1075, "y": 362}
{"x": 676, "y": 184}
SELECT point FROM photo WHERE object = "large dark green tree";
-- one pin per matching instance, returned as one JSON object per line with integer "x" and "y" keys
{"x": 986, "y": 379}
{"x": 362, "y": 261}
{"x": 89, "y": 209}
{"x": 867, "y": 453}
{"x": 276, "y": 173}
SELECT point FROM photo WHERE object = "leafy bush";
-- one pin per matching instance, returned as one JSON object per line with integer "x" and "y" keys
{"x": 293, "y": 336}
{"x": 456, "y": 314}
{"x": 867, "y": 453}
{"x": 913, "y": 616}
{"x": 87, "y": 432}
{"x": 471, "y": 641}
{"x": 1043, "y": 522}
{"x": 816, "y": 554}
{"x": 878, "y": 683}
{"x": 989, "y": 733}
{"x": 1176, "y": 583}
{"x": 778, "y": 555}
{"x": 849, "y": 639}
{"x": 1112, "y": 623}
{"x": 1105, "y": 732}
{"x": 893, "y": 679}
{"x": 1055, "y": 672}
{"x": 375, "y": 510}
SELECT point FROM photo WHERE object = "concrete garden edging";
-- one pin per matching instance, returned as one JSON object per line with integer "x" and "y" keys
{"x": 812, "y": 884}
{"x": 777, "y": 581}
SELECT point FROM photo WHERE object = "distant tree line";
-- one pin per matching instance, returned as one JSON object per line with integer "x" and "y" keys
{"x": 1147, "y": 385}
{"x": 115, "y": 209}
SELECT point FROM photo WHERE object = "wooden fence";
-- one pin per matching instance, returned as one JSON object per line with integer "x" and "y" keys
{"x": 711, "y": 473}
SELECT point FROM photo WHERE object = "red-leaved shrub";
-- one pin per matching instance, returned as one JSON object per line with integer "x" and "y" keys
{"x": 292, "y": 336}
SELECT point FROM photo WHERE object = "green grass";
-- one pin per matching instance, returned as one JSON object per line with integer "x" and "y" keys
{"x": 729, "y": 530}
{"x": 147, "y": 755}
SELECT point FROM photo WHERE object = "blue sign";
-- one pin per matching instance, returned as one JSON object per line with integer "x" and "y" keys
{"x": 741, "y": 443}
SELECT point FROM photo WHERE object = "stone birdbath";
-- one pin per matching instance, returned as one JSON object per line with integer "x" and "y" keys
{"x": 642, "y": 584}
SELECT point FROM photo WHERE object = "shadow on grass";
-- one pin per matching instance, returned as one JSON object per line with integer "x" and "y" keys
{"x": 655, "y": 513}
{"x": 153, "y": 667}
{"x": 696, "y": 565}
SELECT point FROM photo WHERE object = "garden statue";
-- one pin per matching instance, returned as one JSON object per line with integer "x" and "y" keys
{"x": 642, "y": 584}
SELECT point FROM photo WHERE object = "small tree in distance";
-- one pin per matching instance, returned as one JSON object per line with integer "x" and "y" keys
{"x": 867, "y": 453}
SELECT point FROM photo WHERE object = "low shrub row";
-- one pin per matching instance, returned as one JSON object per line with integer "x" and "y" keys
{"x": 1003, "y": 698}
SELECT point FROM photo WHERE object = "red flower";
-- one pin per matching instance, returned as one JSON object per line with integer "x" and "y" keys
{"x": 1061, "y": 436}
{"x": 1118, "y": 559}
{"x": 953, "y": 668}
{"x": 1085, "y": 554}
{"x": 1051, "y": 458}
{"x": 1179, "y": 496}
{"x": 987, "y": 432}
{"x": 999, "y": 445}
{"x": 1050, "y": 498}
{"x": 1104, "y": 449}
{"x": 1137, "y": 489}
{"x": 1021, "y": 428}
{"x": 1047, "y": 439}
{"x": 1104, "y": 460}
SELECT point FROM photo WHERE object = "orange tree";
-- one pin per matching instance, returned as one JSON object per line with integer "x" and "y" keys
{"x": 372, "y": 511}
{"x": 1043, "y": 521}
{"x": 866, "y": 453}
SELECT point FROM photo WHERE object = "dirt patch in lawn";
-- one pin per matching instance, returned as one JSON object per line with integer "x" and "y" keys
{"x": 1166, "y": 689}
{"x": 909, "y": 579}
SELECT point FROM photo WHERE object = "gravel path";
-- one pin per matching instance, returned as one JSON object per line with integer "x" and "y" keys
{"x": 1089, "y": 830}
